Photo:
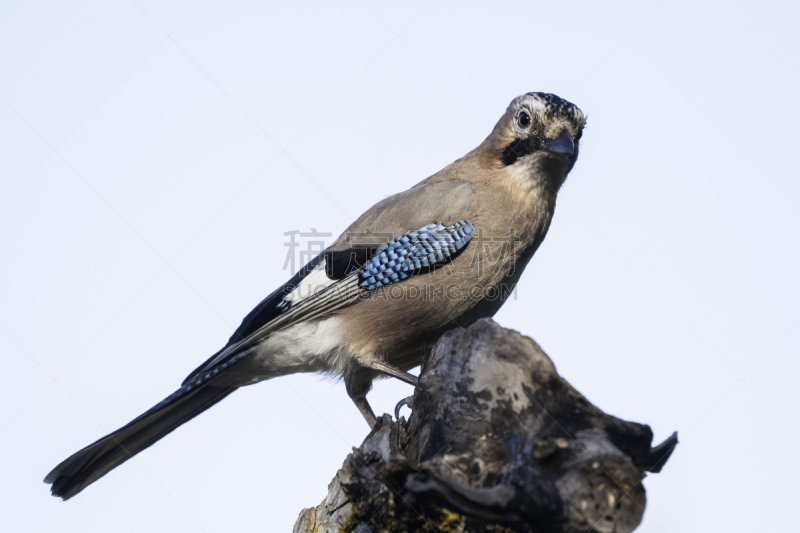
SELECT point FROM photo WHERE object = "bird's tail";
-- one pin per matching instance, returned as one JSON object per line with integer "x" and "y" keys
{"x": 96, "y": 460}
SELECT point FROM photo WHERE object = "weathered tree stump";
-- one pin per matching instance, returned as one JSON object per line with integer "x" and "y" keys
{"x": 498, "y": 442}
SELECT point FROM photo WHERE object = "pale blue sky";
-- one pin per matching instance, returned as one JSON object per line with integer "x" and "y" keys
{"x": 154, "y": 154}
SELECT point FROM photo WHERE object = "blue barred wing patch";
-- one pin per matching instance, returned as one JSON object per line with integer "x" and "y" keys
{"x": 412, "y": 251}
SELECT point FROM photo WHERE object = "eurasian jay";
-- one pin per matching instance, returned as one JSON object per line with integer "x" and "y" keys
{"x": 440, "y": 255}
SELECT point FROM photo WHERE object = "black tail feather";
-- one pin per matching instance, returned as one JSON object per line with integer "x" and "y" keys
{"x": 91, "y": 463}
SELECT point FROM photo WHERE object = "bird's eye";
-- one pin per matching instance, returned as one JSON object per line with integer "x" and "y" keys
{"x": 524, "y": 120}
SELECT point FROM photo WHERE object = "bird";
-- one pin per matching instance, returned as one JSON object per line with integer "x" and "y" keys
{"x": 440, "y": 255}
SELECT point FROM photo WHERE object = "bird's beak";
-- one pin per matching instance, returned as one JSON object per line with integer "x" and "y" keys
{"x": 564, "y": 145}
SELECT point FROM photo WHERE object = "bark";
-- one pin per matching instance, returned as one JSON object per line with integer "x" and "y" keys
{"x": 497, "y": 442}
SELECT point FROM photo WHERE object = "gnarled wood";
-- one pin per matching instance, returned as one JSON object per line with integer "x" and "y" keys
{"x": 497, "y": 441}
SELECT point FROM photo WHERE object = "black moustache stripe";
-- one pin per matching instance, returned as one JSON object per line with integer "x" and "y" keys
{"x": 520, "y": 148}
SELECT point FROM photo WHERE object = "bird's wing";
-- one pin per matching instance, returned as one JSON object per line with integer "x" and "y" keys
{"x": 403, "y": 235}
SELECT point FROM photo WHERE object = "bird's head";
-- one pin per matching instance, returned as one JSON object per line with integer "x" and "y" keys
{"x": 536, "y": 140}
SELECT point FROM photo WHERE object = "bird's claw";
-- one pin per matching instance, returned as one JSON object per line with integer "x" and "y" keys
{"x": 409, "y": 401}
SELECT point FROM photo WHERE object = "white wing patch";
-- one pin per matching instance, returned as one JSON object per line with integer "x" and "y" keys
{"x": 315, "y": 282}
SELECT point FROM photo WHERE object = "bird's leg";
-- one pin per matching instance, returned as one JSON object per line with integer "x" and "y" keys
{"x": 359, "y": 394}
{"x": 389, "y": 370}
{"x": 366, "y": 410}
{"x": 359, "y": 397}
